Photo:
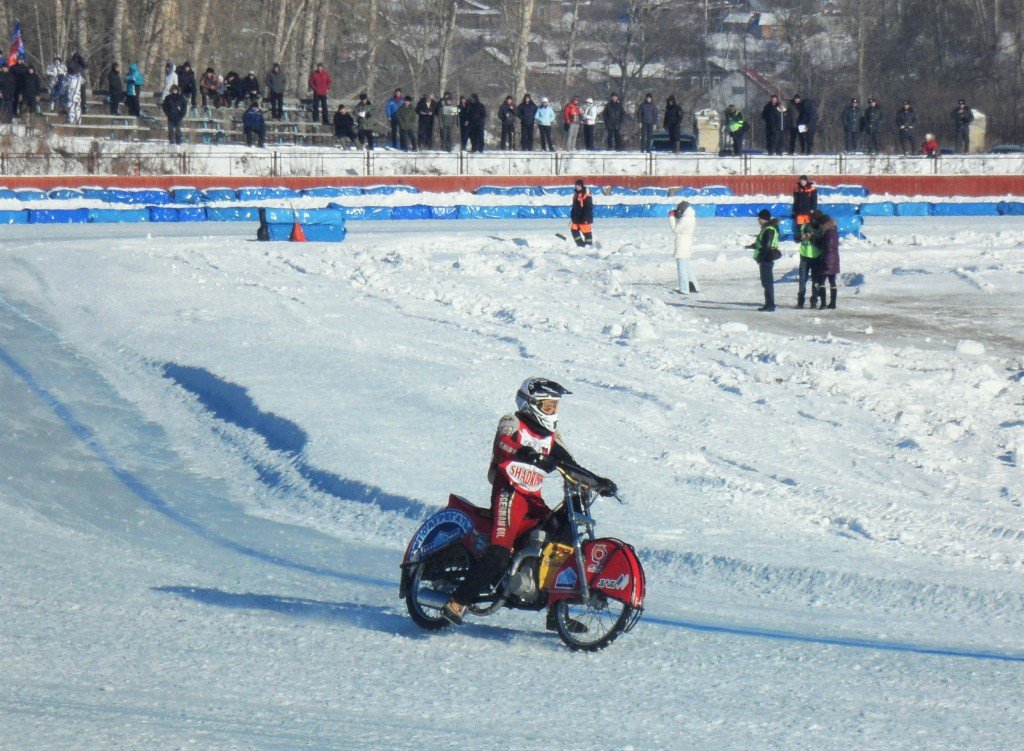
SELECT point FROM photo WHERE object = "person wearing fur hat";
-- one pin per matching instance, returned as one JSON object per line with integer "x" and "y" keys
{"x": 683, "y": 221}
{"x": 582, "y": 216}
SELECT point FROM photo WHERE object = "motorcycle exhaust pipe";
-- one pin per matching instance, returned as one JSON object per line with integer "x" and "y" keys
{"x": 431, "y": 598}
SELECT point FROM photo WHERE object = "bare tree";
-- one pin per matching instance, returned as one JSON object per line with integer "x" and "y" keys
{"x": 519, "y": 24}
{"x": 570, "y": 51}
{"x": 448, "y": 16}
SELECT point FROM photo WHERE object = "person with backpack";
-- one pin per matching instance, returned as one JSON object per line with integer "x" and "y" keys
{"x": 766, "y": 253}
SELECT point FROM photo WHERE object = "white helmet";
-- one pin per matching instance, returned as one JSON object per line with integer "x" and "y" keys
{"x": 531, "y": 397}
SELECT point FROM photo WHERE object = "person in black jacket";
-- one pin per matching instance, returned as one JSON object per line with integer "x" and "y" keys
{"x": 187, "y": 83}
{"x": 614, "y": 116}
{"x": 673, "y": 122}
{"x": 115, "y": 89}
{"x": 773, "y": 114}
{"x": 507, "y": 118}
{"x": 807, "y": 125}
{"x": 527, "y": 114}
{"x": 426, "y": 112}
{"x": 871, "y": 124}
{"x": 581, "y": 216}
{"x": 6, "y": 92}
{"x": 805, "y": 200}
{"x": 475, "y": 116}
{"x": 793, "y": 121}
{"x": 175, "y": 106}
{"x": 850, "y": 118}
{"x": 963, "y": 116}
{"x": 345, "y": 126}
{"x": 906, "y": 129}
{"x": 30, "y": 91}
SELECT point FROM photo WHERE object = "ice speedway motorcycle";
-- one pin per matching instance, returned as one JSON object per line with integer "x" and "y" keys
{"x": 596, "y": 582}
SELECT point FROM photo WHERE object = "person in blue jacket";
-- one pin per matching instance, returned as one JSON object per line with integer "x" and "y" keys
{"x": 254, "y": 124}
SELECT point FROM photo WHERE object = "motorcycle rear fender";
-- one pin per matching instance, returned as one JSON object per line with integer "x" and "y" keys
{"x": 612, "y": 568}
{"x": 449, "y": 526}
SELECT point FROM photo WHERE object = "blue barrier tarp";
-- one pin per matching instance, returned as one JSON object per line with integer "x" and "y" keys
{"x": 163, "y": 214}
{"x": 882, "y": 208}
{"x": 252, "y": 195}
{"x": 58, "y": 216}
{"x": 232, "y": 214}
{"x": 707, "y": 190}
{"x": 7, "y": 193}
{"x": 972, "y": 208}
{"x": 14, "y": 217}
{"x": 363, "y": 212}
{"x": 554, "y": 190}
{"x": 738, "y": 209}
{"x": 849, "y": 225}
{"x": 913, "y": 208}
{"x": 316, "y": 233}
{"x": 118, "y": 216}
{"x": 504, "y": 190}
{"x": 191, "y": 214}
{"x": 330, "y": 191}
{"x": 705, "y": 209}
{"x": 305, "y": 216}
{"x": 64, "y": 194}
{"x": 786, "y": 228}
{"x": 535, "y": 212}
{"x": 651, "y": 191}
{"x": 187, "y": 195}
{"x": 444, "y": 212}
{"x": 1011, "y": 208}
{"x": 415, "y": 211}
{"x": 388, "y": 190}
{"x": 30, "y": 194}
{"x": 220, "y": 194}
{"x": 488, "y": 212}
{"x": 618, "y": 190}
{"x": 95, "y": 194}
{"x": 854, "y": 191}
{"x": 147, "y": 197}
{"x": 838, "y": 209}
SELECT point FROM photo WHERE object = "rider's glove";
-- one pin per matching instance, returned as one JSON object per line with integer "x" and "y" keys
{"x": 528, "y": 454}
{"x": 606, "y": 487}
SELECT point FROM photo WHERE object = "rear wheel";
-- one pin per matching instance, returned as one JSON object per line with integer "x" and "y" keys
{"x": 603, "y": 618}
{"x": 440, "y": 574}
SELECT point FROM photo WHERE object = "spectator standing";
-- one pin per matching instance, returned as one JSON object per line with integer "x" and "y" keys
{"x": 394, "y": 104}
{"x": 345, "y": 126}
{"x": 55, "y": 73}
{"x": 407, "y": 125}
{"x": 810, "y": 266}
{"x": 476, "y": 118}
{"x": 507, "y": 118}
{"x": 277, "y": 83}
{"x": 736, "y": 125}
{"x": 930, "y": 146}
{"x": 170, "y": 79}
{"x": 30, "y": 92}
{"x": 766, "y": 252}
{"x": 449, "y": 121}
{"x": 673, "y": 122}
{"x": 647, "y": 115}
{"x": 807, "y": 126}
{"x": 463, "y": 124}
{"x": 906, "y": 125}
{"x": 209, "y": 85}
{"x": 793, "y": 122}
{"x": 572, "y": 115}
{"x": 773, "y": 114}
{"x": 590, "y": 114}
{"x": 19, "y": 70}
{"x": 426, "y": 113}
{"x": 545, "y": 118}
{"x": 851, "y": 118}
{"x": 963, "y": 116}
{"x": 77, "y": 66}
{"x": 254, "y": 124}
{"x": 805, "y": 200}
{"x": 683, "y": 221}
{"x": 871, "y": 124}
{"x": 320, "y": 84}
{"x": 115, "y": 89}
{"x": 364, "y": 121}
{"x": 175, "y": 107}
{"x": 527, "y": 114}
{"x": 614, "y": 117}
{"x": 133, "y": 83}
{"x": 581, "y": 216}
{"x": 72, "y": 93}
{"x": 187, "y": 83}
{"x": 6, "y": 92}
{"x": 826, "y": 236}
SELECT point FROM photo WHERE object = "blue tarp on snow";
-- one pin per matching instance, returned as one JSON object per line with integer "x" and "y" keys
{"x": 213, "y": 195}
{"x": 849, "y": 225}
{"x": 913, "y": 208}
{"x": 163, "y": 214}
{"x": 854, "y": 191}
{"x": 315, "y": 233}
{"x": 329, "y": 191}
{"x": 488, "y": 212}
{"x": 838, "y": 209}
{"x": 191, "y": 214}
{"x": 444, "y": 212}
{"x": 64, "y": 194}
{"x": 305, "y": 216}
{"x": 786, "y": 228}
{"x": 660, "y": 192}
{"x": 14, "y": 217}
{"x": 187, "y": 195}
{"x": 266, "y": 194}
{"x": 1011, "y": 208}
{"x": 415, "y": 211}
{"x": 30, "y": 194}
{"x": 7, "y": 193}
{"x": 707, "y": 190}
{"x": 752, "y": 209}
{"x": 118, "y": 216}
{"x": 882, "y": 208}
{"x": 232, "y": 214}
{"x": 704, "y": 209}
{"x": 554, "y": 190}
{"x": 619, "y": 190}
{"x": 363, "y": 212}
{"x": 388, "y": 190}
{"x": 534, "y": 212}
{"x": 507, "y": 190}
{"x": 147, "y": 197}
{"x": 972, "y": 208}
{"x": 58, "y": 216}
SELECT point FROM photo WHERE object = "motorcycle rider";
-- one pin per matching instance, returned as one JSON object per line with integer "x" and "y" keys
{"x": 526, "y": 447}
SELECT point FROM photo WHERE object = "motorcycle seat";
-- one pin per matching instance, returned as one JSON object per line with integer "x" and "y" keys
{"x": 484, "y": 513}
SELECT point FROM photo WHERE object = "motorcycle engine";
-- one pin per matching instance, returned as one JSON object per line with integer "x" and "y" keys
{"x": 523, "y": 583}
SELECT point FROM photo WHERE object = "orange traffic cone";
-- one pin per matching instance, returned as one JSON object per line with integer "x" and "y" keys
{"x": 297, "y": 235}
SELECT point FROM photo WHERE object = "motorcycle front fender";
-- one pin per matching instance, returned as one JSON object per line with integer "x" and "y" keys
{"x": 612, "y": 568}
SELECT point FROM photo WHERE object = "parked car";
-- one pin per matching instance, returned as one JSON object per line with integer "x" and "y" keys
{"x": 1007, "y": 148}
{"x": 687, "y": 142}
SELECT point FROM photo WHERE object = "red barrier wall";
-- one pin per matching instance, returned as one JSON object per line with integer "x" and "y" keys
{"x": 901, "y": 185}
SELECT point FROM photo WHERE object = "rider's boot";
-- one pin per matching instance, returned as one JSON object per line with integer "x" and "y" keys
{"x": 571, "y": 624}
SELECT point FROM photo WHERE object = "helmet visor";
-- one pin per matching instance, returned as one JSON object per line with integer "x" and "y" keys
{"x": 547, "y": 406}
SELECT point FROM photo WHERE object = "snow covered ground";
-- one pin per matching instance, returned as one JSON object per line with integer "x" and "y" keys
{"x": 215, "y": 451}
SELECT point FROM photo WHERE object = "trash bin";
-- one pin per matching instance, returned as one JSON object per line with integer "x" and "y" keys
{"x": 976, "y": 133}
{"x": 707, "y": 128}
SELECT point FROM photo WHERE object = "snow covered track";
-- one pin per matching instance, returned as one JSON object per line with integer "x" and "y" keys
{"x": 215, "y": 452}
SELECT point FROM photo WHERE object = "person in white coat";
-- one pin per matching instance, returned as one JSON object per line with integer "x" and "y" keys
{"x": 683, "y": 220}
